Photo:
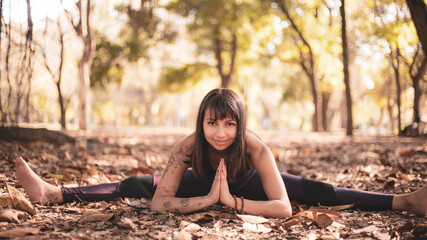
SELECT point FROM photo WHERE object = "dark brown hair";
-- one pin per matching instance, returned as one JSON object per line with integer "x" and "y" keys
{"x": 221, "y": 103}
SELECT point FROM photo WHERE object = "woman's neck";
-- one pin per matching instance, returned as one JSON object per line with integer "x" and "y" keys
{"x": 215, "y": 156}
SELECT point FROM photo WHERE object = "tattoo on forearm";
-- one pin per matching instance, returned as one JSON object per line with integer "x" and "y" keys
{"x": 185, "y": 203}
{"x": 165, "y": 190}
{"x": 167, "y": 204}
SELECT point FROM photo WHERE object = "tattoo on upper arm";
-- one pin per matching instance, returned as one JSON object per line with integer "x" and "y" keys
{"x": 176, "y": 159}
{"x": 167, "y": 204}
{"x": 185, "y": 202}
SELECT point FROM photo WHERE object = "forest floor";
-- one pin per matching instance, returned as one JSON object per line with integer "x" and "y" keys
{"x": 382, "y": 164}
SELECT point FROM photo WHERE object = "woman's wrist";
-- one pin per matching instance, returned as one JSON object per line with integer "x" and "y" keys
{"x": 228, "y": 201}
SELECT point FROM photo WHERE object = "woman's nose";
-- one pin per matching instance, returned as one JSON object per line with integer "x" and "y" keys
{"x": 220, "y": 131}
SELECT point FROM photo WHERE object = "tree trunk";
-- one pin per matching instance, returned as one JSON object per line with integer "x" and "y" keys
{"x": 308, "y": 65}
{"x": 395, "y": 63}
{"x": 1, "y": 98}
{"x": 84, "y": 31}
{"x": 417, "y": 91}
{"x": 30, "y": 50}
{"x": 58, "y": 83}
{"x": 325, "y": 102}
{"x": 218, "y": 49}
{"x": 418, "y": 11}
{"x": 349, "y": 131}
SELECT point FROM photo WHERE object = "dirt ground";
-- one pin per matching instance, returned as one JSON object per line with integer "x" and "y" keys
{"x": 382, "y": 164}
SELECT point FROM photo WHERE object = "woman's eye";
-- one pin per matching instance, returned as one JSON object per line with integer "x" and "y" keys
{"x": 211, "y": 123}
{"x": 231, "y": 124}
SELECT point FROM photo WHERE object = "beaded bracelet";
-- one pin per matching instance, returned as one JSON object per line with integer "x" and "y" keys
{"x": 235, "y": 204}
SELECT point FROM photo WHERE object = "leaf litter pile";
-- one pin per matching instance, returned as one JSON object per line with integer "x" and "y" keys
{"x": 381, "y": 164}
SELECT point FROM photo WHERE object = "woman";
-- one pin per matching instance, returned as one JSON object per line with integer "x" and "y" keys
{"x": 229, "y": 164}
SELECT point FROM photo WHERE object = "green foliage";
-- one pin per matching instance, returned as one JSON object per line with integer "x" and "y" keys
{"x": 180, "y": 79}
{"x": 143, "y": 29}
{"x": 296, "y": 89}
{"x": 106, "y": 67}
{"x": 213, "y": 24}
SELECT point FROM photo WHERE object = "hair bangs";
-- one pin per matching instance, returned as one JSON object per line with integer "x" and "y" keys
{"x": 220, "y": 109}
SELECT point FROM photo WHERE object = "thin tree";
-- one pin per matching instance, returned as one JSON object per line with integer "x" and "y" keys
{"x": 395, "y": 63}
{"x": 82, "y": 27}
{"x": 307, "y": 64}
{"x": 57, "y": 75}
{"x": 418, "y": 11}
{"x": 349, "y": 126}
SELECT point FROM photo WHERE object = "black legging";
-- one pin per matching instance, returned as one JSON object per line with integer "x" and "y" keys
{"x": 300, "y": 189}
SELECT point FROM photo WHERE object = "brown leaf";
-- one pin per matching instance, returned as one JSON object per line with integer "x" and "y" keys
{"x": 18, "y": 232}
{"x": 92, "y": 171}
{"x": 12, "y": 215}
{"x": 289, "y": 223}
{"x": 407, "y": 177}
{"x": 96, "y": 217}
{"x": 140, "y": 171}
{"x": 251, "y": 218}
{"x": 19, "y": 201}
{"x": 322, "y": 217}
{"x": 406, "y": 153}
{"x": 341, "y": 207}
{"x": 5, "y": 201}
{"x": 323, "y": 220}
{"x": 200, "y": 217}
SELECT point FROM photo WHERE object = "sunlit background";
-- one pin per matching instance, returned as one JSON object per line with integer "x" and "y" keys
{"x": 154, "y": 70}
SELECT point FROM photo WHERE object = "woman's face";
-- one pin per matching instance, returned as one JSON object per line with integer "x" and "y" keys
{"x": 220, "y": 134}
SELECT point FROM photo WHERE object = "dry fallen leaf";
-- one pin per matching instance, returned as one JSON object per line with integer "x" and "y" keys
{"x": 322, "y": 217}
{"x": 96, "y": 217}
{"x": 189, "y": 226}
{"x": 182, "y": 235}
{"x": 19, "y": 201}
{"x": 341, "y": 207}
{"x": 5, "y": 201}
{"x": 19, "y": 232}
{"x": 251, "y": 218}
{"x": 289, "y": 223}
{"x": 12, "y": 215}
{"x": 127, "y": 223}
{"x": 257, "y": 228}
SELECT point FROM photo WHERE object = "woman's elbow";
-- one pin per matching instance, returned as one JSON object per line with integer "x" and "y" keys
{"x": 285, "y": 210}
{"x": 155, "y": 206}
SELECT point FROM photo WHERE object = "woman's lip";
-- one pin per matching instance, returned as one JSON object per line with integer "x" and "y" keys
{"x": 221, "y": 142}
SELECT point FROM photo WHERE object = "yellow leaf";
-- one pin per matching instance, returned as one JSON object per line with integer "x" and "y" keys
{"x": 57, "y": 176}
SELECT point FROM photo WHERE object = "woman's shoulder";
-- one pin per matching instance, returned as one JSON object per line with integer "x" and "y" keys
{"x": 252, "y": 141}
{"x": 186, "y": 144}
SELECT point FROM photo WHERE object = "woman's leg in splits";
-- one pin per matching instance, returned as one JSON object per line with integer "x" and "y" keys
{"x": 44, "y": 193}
{"x": 304, "y": 190}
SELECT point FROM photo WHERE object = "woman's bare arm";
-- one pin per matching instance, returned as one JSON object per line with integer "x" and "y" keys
{"x": 164, "y": 198}
{"x": 263, "y": 161}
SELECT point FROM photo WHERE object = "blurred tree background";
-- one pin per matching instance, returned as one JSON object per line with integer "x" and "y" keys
{"x": 89, "y": 64}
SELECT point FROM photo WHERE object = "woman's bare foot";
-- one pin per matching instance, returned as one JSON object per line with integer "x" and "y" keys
{"x": 37, "y": 189}
{"x": 415, "y": 202}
